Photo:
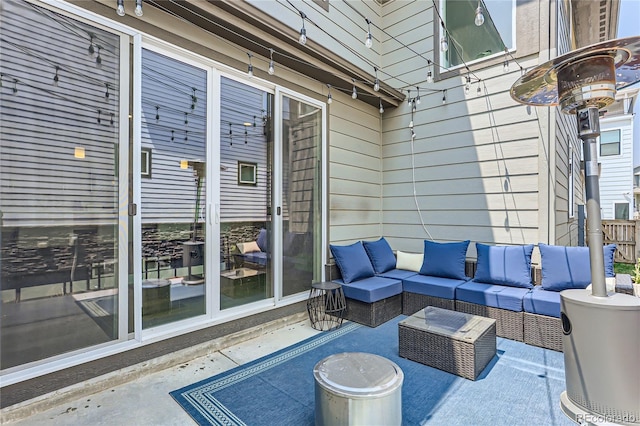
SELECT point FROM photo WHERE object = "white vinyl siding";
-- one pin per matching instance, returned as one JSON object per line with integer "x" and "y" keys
{"x": 616, "y": 175}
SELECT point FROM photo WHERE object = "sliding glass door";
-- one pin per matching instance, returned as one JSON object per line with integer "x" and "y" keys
{"x": 246, "y": 152}
{"x": 301, "y": 194}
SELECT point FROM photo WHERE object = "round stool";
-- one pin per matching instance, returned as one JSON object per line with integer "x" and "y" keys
{"x": 357, "y": 388}
{"x": 326, "y": 305}
{"x": 156, "y": 296}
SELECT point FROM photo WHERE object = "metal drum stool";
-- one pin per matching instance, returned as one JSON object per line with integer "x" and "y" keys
{"x": 356, "y": 388}
{"x": 326, "y": 305}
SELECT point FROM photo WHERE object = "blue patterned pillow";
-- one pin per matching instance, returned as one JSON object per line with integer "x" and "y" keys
{"x": 381, "y": 255}
{"x": 353, "y": 262}
{"x": 444, "y": 260}
{"x": 510, "y": 266}
{"x": 570, "y": 267}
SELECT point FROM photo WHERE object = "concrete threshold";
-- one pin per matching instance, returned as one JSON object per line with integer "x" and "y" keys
{"x": 131, "y": 373}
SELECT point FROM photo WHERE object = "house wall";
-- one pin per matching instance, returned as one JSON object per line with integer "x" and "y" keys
{"x": 616, "y": 174}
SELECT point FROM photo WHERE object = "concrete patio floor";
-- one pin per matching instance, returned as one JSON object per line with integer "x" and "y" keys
{"x": 146, "y": 400}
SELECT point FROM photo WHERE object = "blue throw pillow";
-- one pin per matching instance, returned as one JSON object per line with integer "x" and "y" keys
{"x": 381, "y": 255}
{"x": 570, "y": 267}
{"x": 353, "y": 262}
{"x": 444, "y": 260}
{"x": 262, "y": 240}
{"x": 510, "y": 266}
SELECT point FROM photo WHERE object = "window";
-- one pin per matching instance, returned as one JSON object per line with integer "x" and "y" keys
{"x": 610, "y": 142}
{"x": 468, "y": 42}
{"x": 145, "y": 159}
{"x": 621, "y": 211}
{"x": 247, "y": 173}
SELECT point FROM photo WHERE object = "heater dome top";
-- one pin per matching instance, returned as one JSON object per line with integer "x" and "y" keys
{"x": 586, "y": 76}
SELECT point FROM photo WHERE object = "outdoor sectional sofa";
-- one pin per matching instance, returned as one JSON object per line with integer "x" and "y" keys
{"x": 504, "y": 285}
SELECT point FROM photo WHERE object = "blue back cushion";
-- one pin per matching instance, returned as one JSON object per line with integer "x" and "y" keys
{"x": 381, "y": 255}
{"x": 353, "y": 262}
{"x": 510, "y": 266}
{"x": 262, "y": 241}
{"x": 444, "y": 260}
{"x": 570, "y": 267}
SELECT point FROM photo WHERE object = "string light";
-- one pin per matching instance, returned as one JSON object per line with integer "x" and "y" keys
{"x": 138, "y": 9}
{"x": 15, "y": 85}
{"x": 194, "y": 99}
{"x": 245, "y": 135}
{"x": 303, "y": 31}
{"x": 119, "y": 11}
{"x": 186, "y": 119}
{"x": 250, "y": 68}
{"x": 186, "y": 136}
{"x": 1, "y": 77}
{"x": 467, "y": 86}
{"x": 444, "y": 44}
{"x": 112, "y": 120}
{"x": 444, "y": 96}
{"x": 99, "y": 58}
{"x": 55, "y": 77}
{"x": 418, "y": 97}
{"x": 230, "y": 135}
{"x": 505, "y": 65}
{"x": 381, "y": 107}
{"x": 354, "y": 92}
{"x": 272, "y": 68}
{"x": 376, "y": 83}
{"x": 157, "y": 112}
{"x": 413, "y": 106}
{"x": 329, "y": 97}
{"x": 479, "y": 90}
{"x": 91, "y": 49}
{"x": 106, "y": 93}
{"x": 172, "y": 135}
{"x": 409, "y": 100}
{"x": 479, "y": 20}
{"x": 99, "y": 112}
{"x": 429, "y": 71}
{"x": 369, "y": 41}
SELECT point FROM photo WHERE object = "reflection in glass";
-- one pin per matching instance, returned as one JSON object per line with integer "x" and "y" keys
{"x": 301, "y": 192}
{"x": 245, "y": 194}
{"x": 173, "y": 204}
{"x": 58, "y": 186}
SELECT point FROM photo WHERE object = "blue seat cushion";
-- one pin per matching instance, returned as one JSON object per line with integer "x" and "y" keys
{"x": 444, "y": 288}
{"x": 262, "y": 240}
{"x": 510, "y": 266}
{"x": 495, "y": 296}
{"x": 542, "y": 302}
{"x": 372, "y": 289}
{"x": 398, "y": 274}
{"x": 380, "y": 254}
{"x": 353, "y": 262}
{"x": 257, "y": 257}
{"x": 570, "y": 267}
{"x": 446, "y": 260}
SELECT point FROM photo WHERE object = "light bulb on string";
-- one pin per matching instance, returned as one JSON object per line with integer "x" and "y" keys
{"x": 354, "y": 92}
{"x": 369, "y": 40}
{"x": 250, "y": 67}
{"x": 157, "y": 112}
{"x": 91, "y": 49}
{"x": 329, "y": 97}
{"x": 381, "y": 107}
{"x": 172, "y": 135}
{"x": 15, "y": 86}
{"x": 119, "y": 10}
{"x": 505, "y": 65}
{"x": 272, "y": 68}
{"x": 409, "y": 100}
{"x": 376, "y": 83}
{"x": 479, "y": 89}
{"x": 429, "y": 71}
{"x": 479, "y": 20}
{"x": 230, "y": 135}
{"x": 467, "y": 86}
{"x": 418, "y": 97}
{"x": 99, "y": 58}
{"x": 106, "y": 92}
{"x": 303, "y": 31}
{"x": 194, "y": 99}
{"x": 413, "y": 106}
{"x": 112, "y": 119}
{"x": 444, "y": 44}
{"x": 55, "y": 77}
{"x": 138, "y": 9}
{"x": 444, "y": 97}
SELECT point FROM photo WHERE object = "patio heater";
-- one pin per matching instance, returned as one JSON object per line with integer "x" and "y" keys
{"x": 193, "y": 250}
{"x": 601, "y": 331}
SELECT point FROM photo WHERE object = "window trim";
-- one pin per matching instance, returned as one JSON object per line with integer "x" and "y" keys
{"x": 145, "y": 154}
{"x": 247, "y": 164}
{"x": 618, "y": 142}
{"x": 496, "y": 56}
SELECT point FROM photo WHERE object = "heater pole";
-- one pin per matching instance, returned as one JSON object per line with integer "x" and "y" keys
{"x": 588, "y": 131}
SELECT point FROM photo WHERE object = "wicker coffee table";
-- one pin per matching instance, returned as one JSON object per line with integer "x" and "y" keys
{"x": 455, "y": 342}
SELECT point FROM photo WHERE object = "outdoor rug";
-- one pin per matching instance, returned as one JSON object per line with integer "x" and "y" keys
{"x": 520, "y": 386}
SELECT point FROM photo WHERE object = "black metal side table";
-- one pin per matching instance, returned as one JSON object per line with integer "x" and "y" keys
{"x": 326, "y": 305}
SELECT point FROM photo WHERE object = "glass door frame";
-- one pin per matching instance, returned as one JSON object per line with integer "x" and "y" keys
{"x": 278, "y": 167}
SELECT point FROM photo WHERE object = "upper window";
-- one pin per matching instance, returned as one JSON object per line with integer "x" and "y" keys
{"x": 468, "y": 42}
{"x": 610, "y": 142}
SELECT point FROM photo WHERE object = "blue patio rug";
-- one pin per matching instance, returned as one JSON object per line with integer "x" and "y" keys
{"x": 520, "y": 386}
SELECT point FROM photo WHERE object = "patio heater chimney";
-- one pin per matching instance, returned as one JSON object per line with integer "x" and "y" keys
{"x": 601, "y": 342}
